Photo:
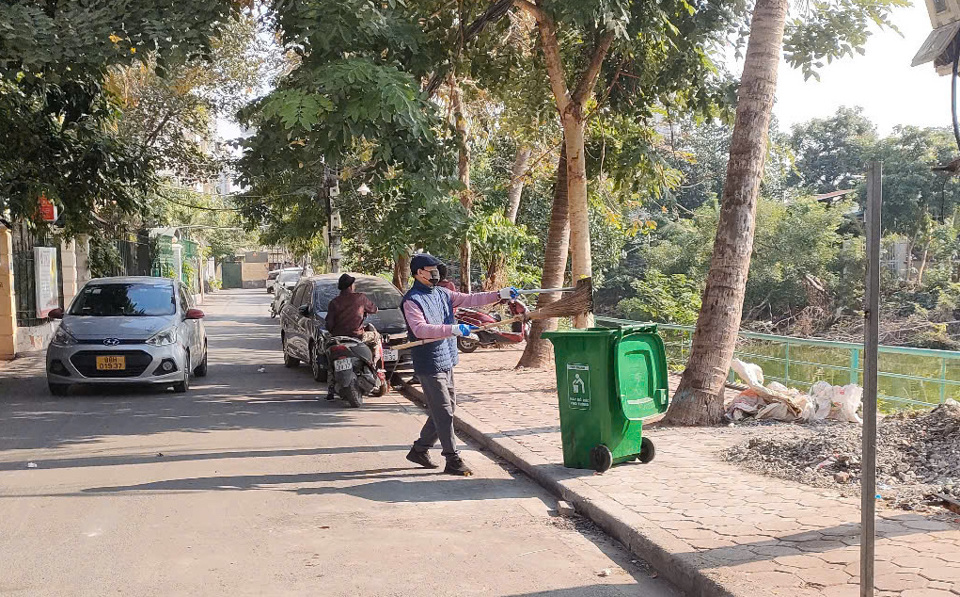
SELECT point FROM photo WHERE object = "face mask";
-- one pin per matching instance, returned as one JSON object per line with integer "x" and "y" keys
{"x": 434, "y": 278}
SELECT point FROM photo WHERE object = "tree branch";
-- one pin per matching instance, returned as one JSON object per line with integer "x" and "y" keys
{"x": 588, "y": 79}
{"x": 531, "y": 8}
{"x": 551, "y": 54}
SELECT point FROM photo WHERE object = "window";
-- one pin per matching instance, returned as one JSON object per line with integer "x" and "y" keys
{"x": 298, "y": 295}
{"x": 383, "y": 294}
{"x": 940, "y": 5}
{"x": 126, "y": 300}
{"x": 184, "y": 304}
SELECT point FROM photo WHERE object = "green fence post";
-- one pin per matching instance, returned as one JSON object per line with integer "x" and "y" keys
{"x": 943, "y": 380}
{"x": 786, "y": 363}
{"x": 855, "y": 366}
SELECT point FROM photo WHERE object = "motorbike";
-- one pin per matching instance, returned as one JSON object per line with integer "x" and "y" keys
{"x": 518, "y": 332}
{"x": 354, "y": 370}
{"x": 280, "y": 297}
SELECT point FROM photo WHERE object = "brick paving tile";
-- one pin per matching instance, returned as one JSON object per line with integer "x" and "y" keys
{"x": 900, "y": 582}
{"x": 774, "y": 579}
{"x": 928, "y": 592}
{"x": 740, "y": 524}
{"x": 942, "y": 572}
{"x": 847, "y": 590}
{"x": 824, "y": 577}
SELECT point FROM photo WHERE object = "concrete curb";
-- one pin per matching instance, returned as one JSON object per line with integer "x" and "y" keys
{"x": 666, "y": 554}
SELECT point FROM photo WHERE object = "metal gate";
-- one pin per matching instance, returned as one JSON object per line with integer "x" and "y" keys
{"x": 232, "y": 274}
{"x": 24, "y": 278}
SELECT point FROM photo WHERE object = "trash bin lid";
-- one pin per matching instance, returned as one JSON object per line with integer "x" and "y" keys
{"x": 641, "y": 365}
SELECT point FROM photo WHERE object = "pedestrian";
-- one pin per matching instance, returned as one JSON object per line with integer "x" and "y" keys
{"x": 345, "y": 315}
{"x": 428, "y": 310}
{"x": 444, "y": 282}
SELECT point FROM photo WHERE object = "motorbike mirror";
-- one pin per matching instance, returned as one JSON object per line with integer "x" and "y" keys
{"x": 304, "y": 310}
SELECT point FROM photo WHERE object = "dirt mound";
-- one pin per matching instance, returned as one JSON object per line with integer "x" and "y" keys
{"x": 918, "y": 455}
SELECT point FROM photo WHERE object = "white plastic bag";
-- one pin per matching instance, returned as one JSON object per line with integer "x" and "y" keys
{"x": 751, "y": 374}
{"x": 846, "y": 402}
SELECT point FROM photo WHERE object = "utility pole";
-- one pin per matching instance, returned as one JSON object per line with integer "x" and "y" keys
{"x": 331, "y": 190}
{"x": 871, "y": 333}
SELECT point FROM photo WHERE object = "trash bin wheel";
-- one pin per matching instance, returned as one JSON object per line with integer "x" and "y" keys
{"x": 647, "y": 451}
{"x": 601, "y": 458}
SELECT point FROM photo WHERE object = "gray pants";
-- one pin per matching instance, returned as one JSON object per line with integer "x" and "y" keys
{"x": 441, "y": 398}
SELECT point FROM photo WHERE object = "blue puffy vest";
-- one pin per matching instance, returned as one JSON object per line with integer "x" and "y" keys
{"x": 437, "y": 308}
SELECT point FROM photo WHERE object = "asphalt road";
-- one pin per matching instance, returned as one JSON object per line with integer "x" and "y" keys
{"x": 248, "y": 485}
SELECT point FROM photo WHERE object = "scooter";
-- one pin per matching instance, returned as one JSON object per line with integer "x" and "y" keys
{"x": 280, "y": 296}
{"x": 356, "y": 370}
{"x": 519, "y": 331}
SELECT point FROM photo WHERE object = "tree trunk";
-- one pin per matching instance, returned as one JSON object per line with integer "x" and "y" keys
{"x": 538, "y": 351}
{"x": 401, "y": 271}
{"x": 496, "y": 273}
{"x": 579, "y": 205}
{"x": 923, "y": 265}
{"x": 497, "y": 265}
{"x": 699, "y": 399}
{"x": 515, "y": 188}
{"x": 463, "y": 171}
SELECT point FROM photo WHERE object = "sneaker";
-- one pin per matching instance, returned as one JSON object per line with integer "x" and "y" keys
{"x": 331, "y": 395}
{"x": 456, "y": 466}
{"x": 421, "y": 458}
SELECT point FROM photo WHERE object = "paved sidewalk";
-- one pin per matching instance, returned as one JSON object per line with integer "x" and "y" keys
{"x": 709, "y": 526}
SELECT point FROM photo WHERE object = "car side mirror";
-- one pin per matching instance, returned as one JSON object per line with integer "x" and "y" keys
{"x": 195, "y": 314}
{"x": 55, "y": 313}
{"x": 304, "y": 310}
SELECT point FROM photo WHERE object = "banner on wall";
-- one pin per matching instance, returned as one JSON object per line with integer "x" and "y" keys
{"x": 45, "y": 274}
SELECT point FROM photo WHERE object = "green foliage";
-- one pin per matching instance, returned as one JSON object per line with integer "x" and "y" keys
{"x": 104, "y": 257}
{"x": 56, "y": 118}
{"x": 826, "y": 30}
{"x": 671, "y": 298}
{"x": 832, "y": 152}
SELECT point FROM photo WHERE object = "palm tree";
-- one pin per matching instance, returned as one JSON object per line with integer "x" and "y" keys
{"x": 699, "y": 399}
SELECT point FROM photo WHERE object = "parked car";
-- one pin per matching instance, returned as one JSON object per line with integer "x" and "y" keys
{"x": 288, "y": 278}
{"x": 304, "y": 315}
{"x": 131, "y": 330}
{"x": 272, "y": 280}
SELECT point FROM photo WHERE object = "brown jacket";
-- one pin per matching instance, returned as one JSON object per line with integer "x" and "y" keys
{"x": 346, "y": 312}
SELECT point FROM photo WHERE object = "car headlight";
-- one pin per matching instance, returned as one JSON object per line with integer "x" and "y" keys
{"x": 63, "y": 337}
{"x": 164, "y": 338}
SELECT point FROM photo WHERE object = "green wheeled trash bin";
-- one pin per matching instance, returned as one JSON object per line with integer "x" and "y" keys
{"x": 608, "y": 381}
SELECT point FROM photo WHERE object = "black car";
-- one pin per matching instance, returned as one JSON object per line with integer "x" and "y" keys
{"x": 305, "y": 315}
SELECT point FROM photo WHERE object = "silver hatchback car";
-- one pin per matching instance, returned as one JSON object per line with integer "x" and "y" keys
{"x": 132, "y": 330}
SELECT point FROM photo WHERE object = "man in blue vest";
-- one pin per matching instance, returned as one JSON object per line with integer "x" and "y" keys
{"x": 428, "y": 310}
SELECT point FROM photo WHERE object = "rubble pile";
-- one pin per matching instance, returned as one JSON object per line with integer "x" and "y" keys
{"x": 918, "y": 456}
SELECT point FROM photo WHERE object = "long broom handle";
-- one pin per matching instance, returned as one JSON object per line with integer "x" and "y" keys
{"x": 546, "y": 290}
{"x": 479, "y": 329}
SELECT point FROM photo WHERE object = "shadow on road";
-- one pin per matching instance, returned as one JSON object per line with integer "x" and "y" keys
{"x": 247, "y": 388}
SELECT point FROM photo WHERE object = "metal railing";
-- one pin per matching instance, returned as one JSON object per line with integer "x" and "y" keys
{"x": 908, "y": 377}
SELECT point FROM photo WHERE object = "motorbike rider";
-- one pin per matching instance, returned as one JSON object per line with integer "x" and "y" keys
{"x": 345, "y": 315}
{"x": 428, "y": 311}
{"x": 444, "y": 282}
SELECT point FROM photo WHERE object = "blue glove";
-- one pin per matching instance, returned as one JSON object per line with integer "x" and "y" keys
{"x": 510, "y": 293}
{"x": 463, "y": 329}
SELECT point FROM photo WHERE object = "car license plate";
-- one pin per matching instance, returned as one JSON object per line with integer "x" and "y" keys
{"x": 111, "y": 363}
{"x": 343, "y": 365}
{"x": 389, "y": 354}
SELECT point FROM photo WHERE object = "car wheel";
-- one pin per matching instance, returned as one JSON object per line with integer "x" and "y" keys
{"x": 201, "y": 370}
{"x": 183, "y": 386}
{"x": 319, "y": 373}
{"x": 288, "y": 361}
{"x": 58, "y": 389}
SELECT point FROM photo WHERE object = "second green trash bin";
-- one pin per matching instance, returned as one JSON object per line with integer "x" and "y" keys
{"x": 608, "y": 381}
